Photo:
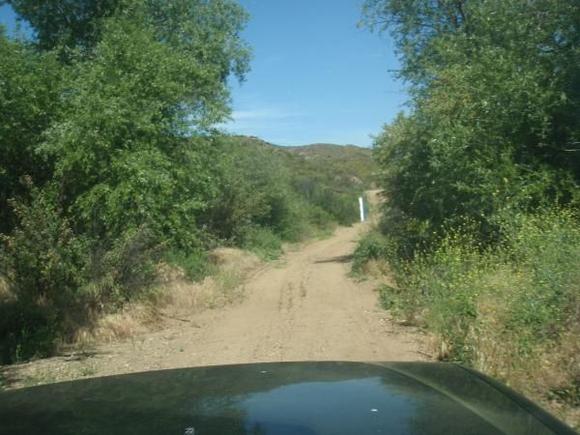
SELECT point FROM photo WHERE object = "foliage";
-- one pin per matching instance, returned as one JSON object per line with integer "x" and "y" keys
{"x": 110, "y": 161}
{"x": 41, "y": 260}
{"x": 196, "y": 264}
{"x": 263, "y": 242}
{"x": 70, "y": 23}
{"x": 277, "y": 189}
{"x": 253, "y": 189}
{"x": 30, "y": 84}
{"x": 115, "y": 144}
{"x": 118, "y": 148}
{"x": 60, "y": 279}
{"x": 108, "y": 112}
{"x": 525, "y": 292}
{"x": 495, "y": 112}
{"x": 206, "y": 30}
{"x": 372, "y": 246}
{"x": 481, "y": 176}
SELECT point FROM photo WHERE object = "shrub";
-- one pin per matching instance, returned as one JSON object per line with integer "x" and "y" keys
{"x": 320, "y": 221}
{"x": 122, "y": 270}
{"x": 372, "y": 246}
{"x": 60, "y": 280}
{"x": 43, "y": 262}
{"x": 263, "y": 242}
{"x": 525, "y": 292}
{"x": 196, "y": 265}
{"x": 342, "y": 206}
{"x": 261, "y": 185}
{"x": 547, "y": 247}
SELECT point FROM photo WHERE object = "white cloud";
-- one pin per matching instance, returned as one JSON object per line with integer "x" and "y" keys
{"x": 262, "y": 114}
{"x": 283, "y": 126}
{"x": 262, "y": 121}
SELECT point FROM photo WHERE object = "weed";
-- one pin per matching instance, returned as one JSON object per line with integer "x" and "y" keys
{"x": 525, "y": 291}
{"x": 196, "y": 265}
{"x": 372, "y": 246}
{"x": 263, "y": 242}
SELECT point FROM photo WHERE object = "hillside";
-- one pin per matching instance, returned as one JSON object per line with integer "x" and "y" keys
{"x": 350, "y": 159}
{"x": 352, "y": 163}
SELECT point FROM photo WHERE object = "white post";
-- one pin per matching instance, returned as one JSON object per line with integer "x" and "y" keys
{"x": 361, "y": 207}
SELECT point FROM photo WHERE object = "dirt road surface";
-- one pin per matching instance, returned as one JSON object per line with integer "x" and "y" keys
{"x": 302, "y": 307}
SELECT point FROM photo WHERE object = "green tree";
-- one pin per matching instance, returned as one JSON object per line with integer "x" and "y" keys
{"x": 69, "y": 23}
{"x": 121, "y": 150}
{"x": 30, "y": 88}
{"x": 495, "y": 110}
{"x": 107, "y": 115}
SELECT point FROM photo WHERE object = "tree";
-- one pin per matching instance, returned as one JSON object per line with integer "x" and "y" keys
{"x": 144, "y": 76}
{"x": 416, "y": 26}
{"x": 30, "y": 88}
{"x": 495, "y": 119}
{"x": 68, "y": 23}
{"x": 107, "y": 114}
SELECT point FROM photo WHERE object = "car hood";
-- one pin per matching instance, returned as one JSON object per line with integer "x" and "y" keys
{"x": 278, "y": 398}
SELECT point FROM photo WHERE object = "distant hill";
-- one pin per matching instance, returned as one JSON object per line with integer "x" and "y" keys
{"x": 324, "y": 181}
{"x": 346, "y": 159}
{"x": 348, "y": 162}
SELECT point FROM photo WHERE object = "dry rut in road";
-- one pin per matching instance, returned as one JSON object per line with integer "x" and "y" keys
{"x": 303, "y": 307}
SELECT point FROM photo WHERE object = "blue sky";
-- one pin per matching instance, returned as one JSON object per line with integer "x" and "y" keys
{"x": 315, "y": 76}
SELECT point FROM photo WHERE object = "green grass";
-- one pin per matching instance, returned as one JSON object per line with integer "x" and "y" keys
{"x": 263, "y": 242}
{"x": 196, "y": 265}
{"x": 372, "y": 246}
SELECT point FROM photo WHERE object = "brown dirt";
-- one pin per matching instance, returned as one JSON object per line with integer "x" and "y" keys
{"x": 302, "y": 307}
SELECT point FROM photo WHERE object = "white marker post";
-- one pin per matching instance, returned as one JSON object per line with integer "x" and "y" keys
{"x": 362, "y": 209}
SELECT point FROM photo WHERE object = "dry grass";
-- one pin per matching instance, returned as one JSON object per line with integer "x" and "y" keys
{"x": 180, "y": 297}
{"x": 133, "y": 319}
{"x": 552, "y": 377}
{"x": 545, "y": 374}
{"x": 545, "y": 370}
{"x": 378, "y": 269}
{"x": 5, "y": 294}
{"x": 176, "y": 298}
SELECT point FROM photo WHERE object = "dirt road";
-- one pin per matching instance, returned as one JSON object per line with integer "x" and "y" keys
{"x": 303, "y": 307}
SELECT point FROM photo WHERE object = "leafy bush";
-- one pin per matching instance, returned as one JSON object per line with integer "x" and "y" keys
{"x": 196, "y": 265}
{"x": 60, "y": 280}
{"x": 494, "y": 124}
{"x": 372, "y": 246}
{"x": 263, "y": 242}
{"x": 262, "y": 185}
{"x": 122, "y": 270}
{"x": 547, "y": 247}
{"x": 43, "y": 262}
{"x": 335, "y": 196}
{"x": 29, "y": 102}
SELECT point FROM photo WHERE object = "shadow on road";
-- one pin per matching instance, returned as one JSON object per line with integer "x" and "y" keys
{"x": 338, "y": 259}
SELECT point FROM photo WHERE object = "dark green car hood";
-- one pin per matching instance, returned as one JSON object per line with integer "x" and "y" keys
{"x": 278, "y": 398}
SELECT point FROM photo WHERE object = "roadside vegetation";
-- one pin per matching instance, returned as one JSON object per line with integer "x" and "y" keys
{"x": 111, "y": 166}
{"x": 480, "y": 231}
